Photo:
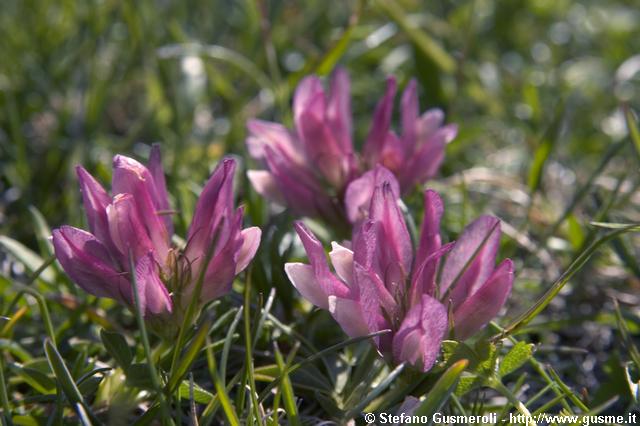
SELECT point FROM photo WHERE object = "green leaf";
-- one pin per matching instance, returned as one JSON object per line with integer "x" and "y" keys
{"x": 68, "y": 385}
{"x": 442, "y": 390}
{"x": 481, "y": 357}
{"x": 138, "y": 376}
{"x": 42, "y": 231}
{"x": 31, "y": 260}
{"x": 333, "y": 55}
{"x": 287, "y": 390}
{"x": 632, "y": 125}
{"x": 117, "y": 346}
{"x": 200, "y": 395}
{"x": 38, "y": 380}
{"x": 515, "y": 358}
{"x": 194, "y": 348}
{"x": 423, "y": 41}
{"x": 62, "y": 373}
{"x": 574, "y": 232}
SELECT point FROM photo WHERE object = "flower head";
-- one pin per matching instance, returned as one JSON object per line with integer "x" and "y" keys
{"x": 130, "y": 236}
{"x": 310, "y": 168}
{"x": 380, "y": 282}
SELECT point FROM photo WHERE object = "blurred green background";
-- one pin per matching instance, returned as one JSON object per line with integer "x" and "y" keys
{"x": 80, "y": 81}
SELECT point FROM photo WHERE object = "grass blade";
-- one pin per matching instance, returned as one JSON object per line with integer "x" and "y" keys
{"x": 441, "y": 391}
{"x": 577, "y": 264}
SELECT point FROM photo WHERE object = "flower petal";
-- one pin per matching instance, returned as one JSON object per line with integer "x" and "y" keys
{"x": 265, "y": 184}
{"x": 86, "y": 260}
{"x": 304, "y": 280}
{"x": 153, "y": 295}
{"x": 127, "y": 231}
{"x": 409, "y": 108}
{"x": 339, "y": 109}
{"x": 342, "y": 261}
{"x": 131, "y": 177}
{"x": 95, "y": 200}
{"x": 330, "y": 284}
{"x": 302, "y": 191}
{"x": 483, "y": 305}
{"x": 430, "y": 240}
{"x": 358, "y": 195}
{"x": 396, "y": 244}
{"x": 250, "y": 244}
{"x": 472, "y": 260}
{"x": 419, "y": 337}
{"x": 265, "y": 133}
{"x": 380, "y": 125}
{"x": 157, "y": 172}
{"x": 348, "y": 313}
{"x": 214, "y": 204}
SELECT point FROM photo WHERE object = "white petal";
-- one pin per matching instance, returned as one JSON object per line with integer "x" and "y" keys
{"x": 303, "y": 279}
{"x": 342, "y": 260}
{"x": 348, "y": 313}
{"x": 250, "y": 244}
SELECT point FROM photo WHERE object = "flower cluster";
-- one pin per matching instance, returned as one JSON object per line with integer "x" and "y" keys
{"x": 311, "y": 168}
{"x": 379, "y": 282}
{"x": 131, "y": 232}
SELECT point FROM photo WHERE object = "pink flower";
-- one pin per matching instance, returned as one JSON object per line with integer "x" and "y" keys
{"x": 135, "y": 221}
{"x": 380, "y": 281}
{"x": 310, "y": 168}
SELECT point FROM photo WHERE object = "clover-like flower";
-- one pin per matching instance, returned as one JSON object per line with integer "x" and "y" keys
{"x": 133, "y": 226}
{"x": 380, "y": 282}
{"x": 310, "y": 168}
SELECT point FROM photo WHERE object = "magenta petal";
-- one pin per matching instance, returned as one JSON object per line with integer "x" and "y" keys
{"x": 424, "y": 163}
{"x": 153, "y": 296}
{"x": 250, "y": 244}
{"x": 265, "y": 184}
{"x": 428, "y": 123}
{"x": 127, "y": 231}
{"x": 367, "y": 246}
{"x": 348, "y": 313}
{"x": 485, "y": 303}
{"x": 302, "y": 191}
{"x": 157, "y": 172}
{"x": 410, "y": 108}
{"x": 430, "y": 240}
{"x": 358, "y": 196}
{"x": 131, "y": 177}
{"x": 423, "y": 279}
{"x": 375, "y": 298}
{"x": 420, "y": 335}
{"x": 274, "y": 135}
{"x": 339, "y": 109}
{"x": 95, "y": 200}
{"x": 319, "y": 142}
{"x": 86, "y": 260}
{"x": 472, "y": 260}
{"x": 304, "y": 280}
{"x": 380, "y": 126}
{"x": 308, "y": 94}
{"x": 394, "y": 155}
{"x": 397, "y": 241}
{"x": 215, "y": 203}
{"x": 221, "y": 269}
{"x": 330, "y": 284}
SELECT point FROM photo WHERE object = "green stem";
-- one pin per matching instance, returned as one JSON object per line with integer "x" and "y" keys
{"x": 166, "y": 419}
